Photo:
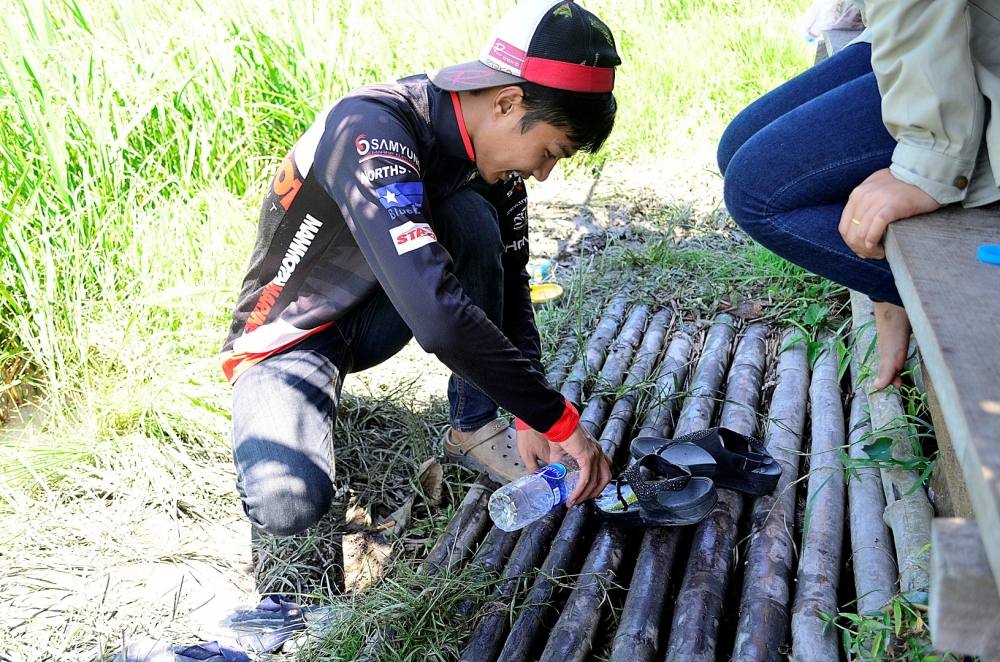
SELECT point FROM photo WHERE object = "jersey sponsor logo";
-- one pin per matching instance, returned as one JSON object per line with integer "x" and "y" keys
{"x": 362, "y": 145}
{"x": 296, "y": 250}
{"x": 385, "y": 172}
{"x": 520, "y": 220}
{"x": 386, "y": 148}
{"x": 411, "y": 236}
{"x": 285, "y": 184}
{"x": 402, "y": 198}
{"x": 515, "y": 245}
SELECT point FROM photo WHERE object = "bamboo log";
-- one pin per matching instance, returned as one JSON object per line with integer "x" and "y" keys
{"x": 639, "y": 630}
{"x": 489, "y": 632}
{"x": 908, "y": 511}
{"x": 695, "y": 628}
{"x": 484, "y": 644}
{"x": 573, "y": 536}
{"x": 560, "y": 364}
{"x": 452, "y": 542}
{"x": 572, "y": 636}
{"x": 822, "y": 535}
{"x": 596, "y": 349}
{"x": 489, "y": 560}
{"x": 636, "y": 636}
{"x": 874, "y": 559}
{"x": 764, "y": 605}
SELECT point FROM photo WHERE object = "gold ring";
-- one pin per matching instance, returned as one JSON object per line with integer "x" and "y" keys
{"x": 855, "y": 221}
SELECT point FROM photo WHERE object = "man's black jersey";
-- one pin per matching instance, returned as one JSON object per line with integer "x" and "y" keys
{"x": 349, "y": 212}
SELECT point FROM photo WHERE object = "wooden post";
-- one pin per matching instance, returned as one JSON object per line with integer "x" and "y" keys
{"x": 964, "y": 603}
{"x": 873, "y": 557}
{"x": 639, "y": 631}
{"x": 767, "y": 586}
{"x": 698, "y": 610}
{"x": 908, "y": 512}
{"x": 822, "y": 535}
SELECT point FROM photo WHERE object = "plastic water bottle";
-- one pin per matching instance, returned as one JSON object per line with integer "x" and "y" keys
{"x": 527, "y": 499}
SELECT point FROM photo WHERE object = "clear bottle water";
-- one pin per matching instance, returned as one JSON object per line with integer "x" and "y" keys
{"x": 527, "y": 499}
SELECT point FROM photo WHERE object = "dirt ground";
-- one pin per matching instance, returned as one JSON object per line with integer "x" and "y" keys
{"x": 174, "y": 576}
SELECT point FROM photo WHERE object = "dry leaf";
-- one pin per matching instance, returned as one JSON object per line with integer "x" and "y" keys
{"x": 430, "y": 475}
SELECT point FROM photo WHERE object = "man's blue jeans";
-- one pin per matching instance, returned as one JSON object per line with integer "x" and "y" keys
{"x": 285, "y": 407}
{"x": 791, "y": 159}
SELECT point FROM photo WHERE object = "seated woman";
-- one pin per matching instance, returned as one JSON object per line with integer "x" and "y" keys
{"x": 880, "y": 132}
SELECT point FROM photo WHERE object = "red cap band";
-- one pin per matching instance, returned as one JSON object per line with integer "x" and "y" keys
{"x": 567, "y": 75}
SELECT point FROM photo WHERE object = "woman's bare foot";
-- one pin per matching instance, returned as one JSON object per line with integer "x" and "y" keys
{"x": 893, "y": 329}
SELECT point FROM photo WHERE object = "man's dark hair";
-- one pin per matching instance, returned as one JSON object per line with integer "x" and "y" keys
{"x": 586, "y": 117}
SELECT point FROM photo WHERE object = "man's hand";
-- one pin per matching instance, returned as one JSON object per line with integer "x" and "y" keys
{"x": 595, "y": 466}
{"x": 534, "y": 448}
{"x": 874, "y": 204}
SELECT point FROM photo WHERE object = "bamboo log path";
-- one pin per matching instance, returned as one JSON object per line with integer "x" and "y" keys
{"x": 758, "y": 578}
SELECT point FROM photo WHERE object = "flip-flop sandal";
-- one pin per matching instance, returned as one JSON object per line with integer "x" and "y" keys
{"x": 157, "y": 650}
{"x": 493, "y": 449}
{"x": 673, "y": 498}
{"x": 266, "y": 627}
{"x": 742, "y": 463}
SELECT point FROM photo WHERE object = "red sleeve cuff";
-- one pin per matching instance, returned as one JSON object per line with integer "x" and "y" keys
{"x": 566, "y": 424}
{"x": 520, "y": 425}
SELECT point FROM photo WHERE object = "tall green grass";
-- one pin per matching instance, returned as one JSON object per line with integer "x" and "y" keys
{"x": 137, "y": 138}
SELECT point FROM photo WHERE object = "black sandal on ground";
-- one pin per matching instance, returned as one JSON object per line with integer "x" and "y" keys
{"x": 672, "y": 498}
{"x": 742, "y": 463}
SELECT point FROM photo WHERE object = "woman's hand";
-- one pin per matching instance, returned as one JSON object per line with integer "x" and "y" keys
{"x": 874, "y": 204}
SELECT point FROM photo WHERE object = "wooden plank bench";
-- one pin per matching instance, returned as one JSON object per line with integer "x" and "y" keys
{"x": 953, "y": 302}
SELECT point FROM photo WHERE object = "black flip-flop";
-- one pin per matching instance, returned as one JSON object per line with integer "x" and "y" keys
{"x": 673, "y": 498}
{"x": 742, "y": 463}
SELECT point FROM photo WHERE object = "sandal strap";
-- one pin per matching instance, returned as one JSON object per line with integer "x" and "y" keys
{"x": 754, "y": 455}
{"x": 647, "y": 490}
{"x": 483, "y": 434}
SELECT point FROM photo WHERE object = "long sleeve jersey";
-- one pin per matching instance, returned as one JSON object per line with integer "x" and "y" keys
{"x": 349, "y": 213}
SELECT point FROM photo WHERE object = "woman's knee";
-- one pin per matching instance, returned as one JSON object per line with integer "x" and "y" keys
{"x": 742, "y": 190}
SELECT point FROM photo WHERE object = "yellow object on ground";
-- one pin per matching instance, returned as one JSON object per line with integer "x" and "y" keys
{"x": 545, "y": 292}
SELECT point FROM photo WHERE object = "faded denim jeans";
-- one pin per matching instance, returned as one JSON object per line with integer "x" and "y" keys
{"x": 791, "y": 159}
{"x": 285, "y": 407}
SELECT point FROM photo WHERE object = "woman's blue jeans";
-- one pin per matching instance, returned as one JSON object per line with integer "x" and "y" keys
{"x": 791, "y": 159}
{"x": 285, "y": 407}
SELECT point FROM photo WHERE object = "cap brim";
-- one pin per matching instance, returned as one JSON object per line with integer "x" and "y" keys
{"x": 471, "y": 76}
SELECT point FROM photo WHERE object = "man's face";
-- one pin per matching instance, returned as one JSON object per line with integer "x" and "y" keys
{"x": 503, "y": 150}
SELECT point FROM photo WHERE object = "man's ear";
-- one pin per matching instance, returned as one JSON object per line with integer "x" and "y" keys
{"x": 507, "y": 100}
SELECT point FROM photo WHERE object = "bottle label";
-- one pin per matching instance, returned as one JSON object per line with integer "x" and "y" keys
{"x": 554, "y": 475}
